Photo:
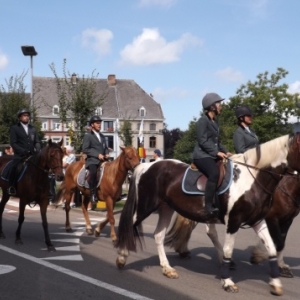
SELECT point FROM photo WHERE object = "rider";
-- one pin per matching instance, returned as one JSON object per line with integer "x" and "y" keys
{"x": 95, "y": 147}
{"x": 24, "y": 141}
{"x": 208, "y": 148}
{"x": 244, "y": 137}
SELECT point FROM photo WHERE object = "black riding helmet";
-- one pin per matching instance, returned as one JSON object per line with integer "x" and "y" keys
{"x": 242, "y": 111}
{"x": 95, "y": 119}
{"x": 210, "y": 99}
{"x": 23, "y": 111}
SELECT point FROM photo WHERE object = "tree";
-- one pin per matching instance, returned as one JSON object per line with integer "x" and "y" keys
{"x": 78, "y": 100}
{"x": 170, "y": 139}
{"x": 12, "y": 99}
{"x": 184, "y": 147}
{"x": 125, "y": 133}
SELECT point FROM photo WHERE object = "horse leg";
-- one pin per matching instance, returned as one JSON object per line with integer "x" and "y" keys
{"x": 22, "y": 204}
{"x": 84, "y": 206}
{"x": 43, "y": 210}
{"x": 100, "y": 226}
{"x": 3, "y": 202}
{"x": 68, "y": 196}
{"x": 213, "y": 235}
{"x": 164, "y": 218}
{"x": 262, "y": 231}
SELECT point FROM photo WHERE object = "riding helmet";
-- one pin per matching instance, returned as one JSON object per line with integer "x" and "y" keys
{"x": 23, "y": 111}
{"x": 243, "y": 110}
{"x": 209, "y": 99}
{"x": 95, "y": 119}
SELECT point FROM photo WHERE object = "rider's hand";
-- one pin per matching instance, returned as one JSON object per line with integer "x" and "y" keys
{"x": 222, "y": 155}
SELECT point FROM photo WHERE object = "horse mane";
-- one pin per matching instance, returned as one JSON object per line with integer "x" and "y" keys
{"x": 271, "y": 153}
{"x": 112, "y": 167}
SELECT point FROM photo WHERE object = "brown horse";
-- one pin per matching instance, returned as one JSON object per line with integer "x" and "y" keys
{"x": 33, "y": 186}
{"x": 159, "y": 188}
{"x": 109, "y": 190}
{"x": 285, "y": 206}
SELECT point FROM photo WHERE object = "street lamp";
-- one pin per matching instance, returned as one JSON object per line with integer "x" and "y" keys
{"x": 30, "y": 51}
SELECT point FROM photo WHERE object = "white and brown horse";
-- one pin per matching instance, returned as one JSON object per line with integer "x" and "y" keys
{"x": 247, "y": 202}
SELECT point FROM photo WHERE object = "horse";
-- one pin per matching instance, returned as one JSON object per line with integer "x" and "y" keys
{"x": 285, "y": 206}
{"x": 246, "y": 202}
{"x": 109, "y": 189}
{"x": 33, "y": 185}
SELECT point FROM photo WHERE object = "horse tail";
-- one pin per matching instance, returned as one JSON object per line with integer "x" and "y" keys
{"x": 60, "y": 192}
{"x": 127, "y": 232}
{"x": 179, "y": 234}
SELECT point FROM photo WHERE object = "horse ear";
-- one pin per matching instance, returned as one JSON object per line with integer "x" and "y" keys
{"x": 60, "y": 143}
{"x": 122, "y": 148}
{"x": 50, "y": 142}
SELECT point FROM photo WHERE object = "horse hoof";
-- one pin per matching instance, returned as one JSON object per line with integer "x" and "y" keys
{"x": 89, "y": 231}
{"x": 114, "y": 242}
{"x": 51, "y": 248}
{"x": 120, "y": 263}
{"x": 231, "y": 289}
{"x": 96, "y": 233}
{"x": 69, "y": 230}
{"x": 171, "y": 274}
{"x": 185, "y": 255}
{"x": 286, "y": 272}
{"x": 19, "y": 242}
{"x": 276, "y": 290}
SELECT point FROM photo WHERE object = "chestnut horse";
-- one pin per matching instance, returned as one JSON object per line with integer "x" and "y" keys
{"x": 34, "y": 185}
{"x": 159, "y": 188}
{"x": 109, "y": 190}
{"x": 285, "y": 206}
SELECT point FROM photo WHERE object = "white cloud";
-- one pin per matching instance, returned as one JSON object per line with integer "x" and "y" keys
{"x": 160, "y": 95}
{"x": 3, "y": 60}
{"x": 151, "y": 48}
{"x": 229, "y": 75}
{"x": 98, "y": 40}
{"x": 166, "y": 3}
{"x": 294, "y": 87}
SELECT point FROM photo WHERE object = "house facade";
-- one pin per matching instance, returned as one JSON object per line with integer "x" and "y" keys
{"x": 124, "y": 100}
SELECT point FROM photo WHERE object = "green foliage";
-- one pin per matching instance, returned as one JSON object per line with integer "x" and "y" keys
{"x": 184, "y": 147}
{"x": 77, "y": 101}
{"x": 170, "y": 139}
{"x": 12, "y": 99}
{"x": 125, "y": 133}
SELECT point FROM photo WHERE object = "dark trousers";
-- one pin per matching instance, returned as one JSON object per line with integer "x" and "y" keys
{"x": 92, "y": 180}
{"x": 52, "y": 191}
{"x": 209, "y": 168}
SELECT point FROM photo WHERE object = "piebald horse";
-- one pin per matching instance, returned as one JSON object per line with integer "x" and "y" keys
{"x": 159, "y": 188}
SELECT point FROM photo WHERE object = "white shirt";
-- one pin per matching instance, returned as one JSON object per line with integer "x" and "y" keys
{"x": 97, "y": 135}
{"x": 25, "y": 126}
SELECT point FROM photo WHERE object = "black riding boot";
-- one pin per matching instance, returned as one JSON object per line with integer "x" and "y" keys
{"x": 93, "y": 196}
{"x": 210, "y": 191}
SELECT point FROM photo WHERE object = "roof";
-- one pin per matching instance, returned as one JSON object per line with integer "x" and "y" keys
{"x": 124, "y": 98}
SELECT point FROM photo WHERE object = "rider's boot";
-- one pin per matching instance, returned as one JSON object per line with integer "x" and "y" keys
{"x": 12, "y": 191}
{"x": 210, "y": 191}
{"x": 93, "y": 196}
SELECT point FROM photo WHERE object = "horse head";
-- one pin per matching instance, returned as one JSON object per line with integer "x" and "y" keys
{"x": 53, "y": 159}
{"x": 131, "y": 157}
{"x": 293, "y": 156}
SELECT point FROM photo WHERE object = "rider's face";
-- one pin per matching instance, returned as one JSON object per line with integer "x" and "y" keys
{"x": 24, "y": 118}
{"x": 96, "y": 125}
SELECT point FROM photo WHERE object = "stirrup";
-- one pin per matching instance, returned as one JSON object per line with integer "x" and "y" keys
{"x": 12, "y": 191}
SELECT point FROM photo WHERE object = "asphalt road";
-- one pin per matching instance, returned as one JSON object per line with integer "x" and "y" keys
{"x": 83, "y": 267}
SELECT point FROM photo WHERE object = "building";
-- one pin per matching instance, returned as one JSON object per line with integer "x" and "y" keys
{"x": 124, "y": 100}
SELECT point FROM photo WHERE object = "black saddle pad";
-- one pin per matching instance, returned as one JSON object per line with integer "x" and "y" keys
{"x": 6, "y": 171}
{"x": 189, "y": 182}
{"x": 82, "y": 178}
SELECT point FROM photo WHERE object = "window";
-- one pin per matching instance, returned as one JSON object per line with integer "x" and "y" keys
{"x": 98, "y": 111}
{"x": 67, "y": 141}
{"x": 55, "y": 110}
{"x": 56, "y": 139}
{"x": 142, "y": 111}
{"x": 56, "y": 125}
{"x": 110, "y": 141}
{"x": 152, "y": 142}
{"x": 108, "y": 126}
{"x": 44, "y": 125}
{"x": 152, "y": 126}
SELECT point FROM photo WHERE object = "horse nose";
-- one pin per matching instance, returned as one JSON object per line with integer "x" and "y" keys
{"x": 59, "y": 177}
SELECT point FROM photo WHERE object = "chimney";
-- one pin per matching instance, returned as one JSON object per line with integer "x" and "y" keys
{"x": 74, "y": 78}
{"x": 111, "y": 79}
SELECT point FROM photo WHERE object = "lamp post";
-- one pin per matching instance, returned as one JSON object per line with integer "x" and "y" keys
{"x": 30, "y": 51}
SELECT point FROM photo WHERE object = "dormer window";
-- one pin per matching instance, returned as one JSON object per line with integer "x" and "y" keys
{"x": 142, "y": 111}
{"x": 98, "y": 111}
{"x": 55, "y": 110}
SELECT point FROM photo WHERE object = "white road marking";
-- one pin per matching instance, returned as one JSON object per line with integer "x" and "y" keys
{"x": 6, "y": 269}
{"x": 75, "y": 257}
{"x": 66, "y": 248}
{"x": 75, "y": 241}
{"x": 104, "y": 285}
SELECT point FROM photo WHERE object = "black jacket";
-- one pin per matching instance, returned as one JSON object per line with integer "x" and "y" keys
{"x": 22, "y": 143}
{"x": 244, "y": 140}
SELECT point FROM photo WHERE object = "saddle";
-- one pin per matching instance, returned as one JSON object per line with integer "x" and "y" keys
{"x": 194, "y": 181}
{"x": 84, "y": 174}
{"x": 20, "y": 166}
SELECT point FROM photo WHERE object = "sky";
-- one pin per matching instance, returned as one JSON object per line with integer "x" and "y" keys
{"x": 177, "y": 50}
